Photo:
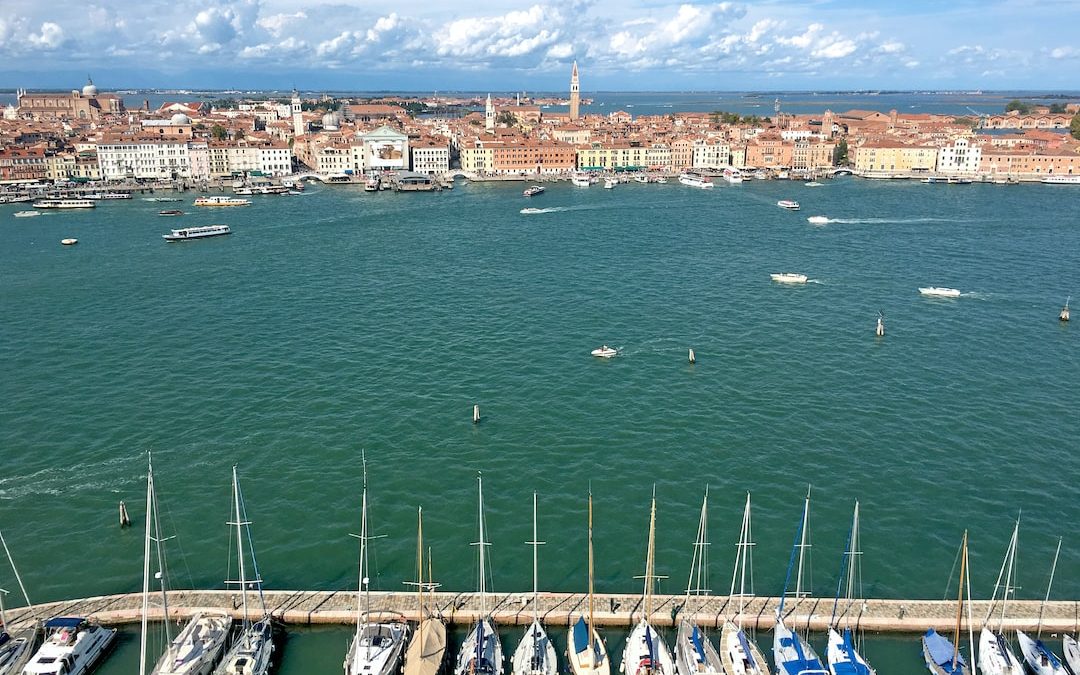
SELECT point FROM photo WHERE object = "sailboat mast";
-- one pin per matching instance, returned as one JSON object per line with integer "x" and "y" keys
{"x": 1053, "y": 568}
{"x": 854, "y": 561}
{"x": 845, "y": 565}
{"x": 649, "y": 561}
{"x": 960, "y": 601}
{"x": 482, "y": 544}
{"x": 161, "y": 568}
{"x": 1009, "y": 573}
{"x": 362, "y": 574}
{"x": 699, "y": 566}
{"x": 240, "y": 546}
{"x": 592, "y": 648}
{"x": 146, "y": 566}
{"x": 14, "y": 569}
{"x": 741, "y": 555}
{"x": 971, "y": 624}
{"x": 420, "y": 568}
{"x": 802, "y": 544}
{"x": 535, "y": 543}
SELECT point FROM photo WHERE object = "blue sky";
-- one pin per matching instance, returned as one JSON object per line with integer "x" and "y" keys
{"x": 508, "y": 45}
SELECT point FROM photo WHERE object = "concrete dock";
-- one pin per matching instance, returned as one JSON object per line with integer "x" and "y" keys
{"x": 560, "y": 609}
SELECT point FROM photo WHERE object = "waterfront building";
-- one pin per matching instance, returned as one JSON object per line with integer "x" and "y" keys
{"x": 1029, "y": 162}
{"x": 610, "y": 156}
{"x": 73, "y": 165}
{"x": 810, "y": 154}
{"x": 477, "y": 156}
{"x": 682, "y": 154}
{"x": 532, "y": 156}
{"x": 143, "y": 157}
{"x": 385, "y": 149}
{"x": 962, "y": 156}
{"x": 575, "y": 94}
{"x": 430, "y": 156}
{"x": 768, "y": 150}
{"x": 84, "y": 104}
{"x": 572, "y": 133}
{"x": 333, "y": 160}
{"x": 22, "y": 164}
{"x": 894, "y": 157}
{"x": 658, "y": 157}
{"x": 710, "y": 154}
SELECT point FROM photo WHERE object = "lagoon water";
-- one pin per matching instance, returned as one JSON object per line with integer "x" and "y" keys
{"x": 339, "y": 324}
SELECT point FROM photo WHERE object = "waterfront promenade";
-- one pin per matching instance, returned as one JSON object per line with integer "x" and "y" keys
{"x": 560, "y": 609}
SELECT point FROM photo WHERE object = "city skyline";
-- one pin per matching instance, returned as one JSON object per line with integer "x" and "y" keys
{"x": 642, "y": 45}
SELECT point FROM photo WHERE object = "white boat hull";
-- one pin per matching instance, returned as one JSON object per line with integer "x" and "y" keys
{"x": 638, "y": 659}
{"x": 376, "y": 649}
{"x": 535, "y": 655}
{"x": 250, "y": 653}
{"x": 793, "y": 655}
{"x": 694, "y": 653}
{"x": 995, "y": 655}
{"x": 1071, "y": 649}
{"x": 1038, "y": 656}
{"x": 940, "y": 292}
{"x": 481, "y": 653}
{"x": 843, "y": 661}
{"x": 604, "y": 352}
{"x": 593, "y": 661}
{"x": 195, "y": 651}
{"x": 739, "y": 654}
{"x": 788, "y": 278}
{"x": 72, "y": 653}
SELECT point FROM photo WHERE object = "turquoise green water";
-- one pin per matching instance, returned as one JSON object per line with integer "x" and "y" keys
{"x": 342, "y": 322}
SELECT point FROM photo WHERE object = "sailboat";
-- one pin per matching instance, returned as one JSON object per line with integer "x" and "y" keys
{"x": 842, "y": 654}
{"x": 254, "y": 644}
{"x": 16, "y": 647}
{"x": 694, "y": 653}
{"x": 427, "y": 649}
{"x": 1071, "y": 647}
{"x": 196, "y": 648}
{"x": 943, "y": 657}
{"x": 585, "y": 649}
{"x": 794, "y": 655}
{"x": 1039, "y": 658}
{"x": 739, "y": 653}
{"x": 535, "y": 655}
{"x": 481, "y": 652}
{"x": 376, "y": 647}
{"x": 645, "y": 652}
{"x": 995, "y": 655}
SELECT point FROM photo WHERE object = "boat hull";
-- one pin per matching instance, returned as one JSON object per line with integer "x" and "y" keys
{"x": 793, "y": 655}
{"x": 250, "y": 652}
{"x": 740, "y": 655}
{"x": 1071, "y": 649}
{"x": 943, "y": 665}
{"x": 195, "y": 651}
{"x": 843, "y": 658}
{"x": 640, "y": 659}
{"x": 481, "y": 652}
{"x": 427, "y": 648}
{"x": 587, "y": 661}
{"x": 1038, "y": 656}
{"x": 376, "y": 649}
{"x": 535, "y": 655}
{"x": 995, "y": 655}
{"x": 694, "y": 653}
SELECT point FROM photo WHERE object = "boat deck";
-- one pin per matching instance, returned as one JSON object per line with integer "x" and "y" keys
{"x": 339, "y": 607}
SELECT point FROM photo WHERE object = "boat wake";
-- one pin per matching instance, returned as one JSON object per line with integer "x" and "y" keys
{"x": 553, "y": 209}
{"x": 822, "y": 220}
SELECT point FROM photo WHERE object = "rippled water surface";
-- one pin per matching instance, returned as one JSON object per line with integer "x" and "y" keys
{"x": 341, "y": 323}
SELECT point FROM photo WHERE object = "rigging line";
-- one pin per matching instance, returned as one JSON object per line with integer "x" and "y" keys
{"x": 843, "y": 572}
{"x": 952, "y": 571}
{"x": 15, "y": 570}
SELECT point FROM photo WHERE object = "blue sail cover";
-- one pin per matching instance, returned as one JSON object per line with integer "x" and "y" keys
{"x": 851, "y": 665}
{"x": 746, "y": 650}
{"x": 800, "y": 663}
{"x": 581, "y": 635}
{"x": 1045, "y": 652}
{"x": 650, "y": 646}
{"x": 941, "y": 651}
{"x": 695, "y": 638}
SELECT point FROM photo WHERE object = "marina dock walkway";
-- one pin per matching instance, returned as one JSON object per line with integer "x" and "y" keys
{"x": 339, "y": 607}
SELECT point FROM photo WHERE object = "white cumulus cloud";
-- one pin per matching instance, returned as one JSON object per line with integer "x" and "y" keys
{"x": 50, "y": 36}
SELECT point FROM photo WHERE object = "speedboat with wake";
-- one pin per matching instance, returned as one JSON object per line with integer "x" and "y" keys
{"x": 938, "y": 292}
{"x": 604, "y": 352}
{"x": 533, "y": 191}
{"x": 817, "y": 220}
{"x": 788, "y": 278}
{"x": 788, "y": 204}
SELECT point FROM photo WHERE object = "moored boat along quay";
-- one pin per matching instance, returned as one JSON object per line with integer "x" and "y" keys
{"x": 560, "y": 609}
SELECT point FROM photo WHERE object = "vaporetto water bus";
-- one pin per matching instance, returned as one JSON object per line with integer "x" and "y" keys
{"x": 222, "y": 201}
{"x": 64, "y": 204}
{"x": 197, "y": 233}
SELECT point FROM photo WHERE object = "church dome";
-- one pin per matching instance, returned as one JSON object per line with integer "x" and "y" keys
{"x": 89, "y": 89}
{"x": 180, "y": 118}
{"x": 331, "y": 120}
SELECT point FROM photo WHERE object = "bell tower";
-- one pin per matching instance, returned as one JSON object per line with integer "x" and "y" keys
{"x": 297, "y": 115}
{"x": 575, "y": 94}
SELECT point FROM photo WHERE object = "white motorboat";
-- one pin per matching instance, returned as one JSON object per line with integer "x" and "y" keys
{"x": 788, "y": 204}
{"x": 1039, "y": 658}
{"x": 813, "y": 183}
{"x": 535, "y": 655}
{"x": 161, "y": 199}
{"x": 72, "y": 646}
{"x": 377, "y": 646}
{"x": 533, "y": 190}
{"x": 788, "y": 278}
{"x": 610, "y": 183}
{"x": 196, "y": 648}
{"x": 197, "y": 233}
{"x": 27, "y": 214}
{"x": 604, "y": 352}
{"x": 219, "y": 200}
{"x": 371, "y": 184}
{"x": 937, "y": 292}
{"x": 662, "y": 180}
{"x": 1061, "y": 180}
{"x": 817, "y": 220}
{"x": 65, "y": 204}
{"x": 733, "y": 175}
{"x": 696, "y": 180}
{"x": 1071, "y": 648}
{"x": 641, "y": 178}
{"x": 481, "y": 653}
{"x": 171, "y": 212}
{"x": 580, "y": 180}
{"x": 70, "y": 241}
{"x": 760, "y": 175}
